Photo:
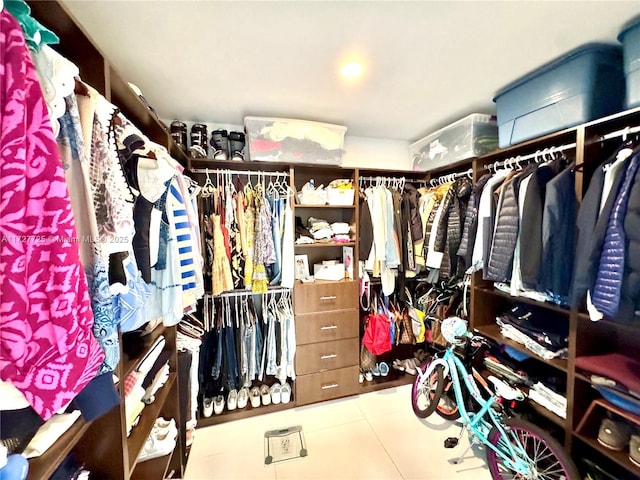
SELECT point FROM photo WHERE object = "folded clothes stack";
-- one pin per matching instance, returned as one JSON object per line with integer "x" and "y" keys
{"x": 552, "y": 401}
{"x": 543, "y": 335}
{"x": 320, "y": 230}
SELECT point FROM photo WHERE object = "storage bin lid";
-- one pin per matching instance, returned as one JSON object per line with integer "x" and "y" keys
{"x": 630, "y": 25}
{"x": 589, "y": 48}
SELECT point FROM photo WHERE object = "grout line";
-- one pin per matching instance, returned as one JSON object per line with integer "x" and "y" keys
{"x": 375, "y": 434}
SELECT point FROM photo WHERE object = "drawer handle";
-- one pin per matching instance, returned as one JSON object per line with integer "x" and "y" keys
{"x": 331, "y": 385}
{"x": 327, "y": 298}
{"x": 326, "y": 357}
{"x": 329, "y": 327}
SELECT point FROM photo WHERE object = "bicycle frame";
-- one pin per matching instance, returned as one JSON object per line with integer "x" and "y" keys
{"x": 514, "y": 456}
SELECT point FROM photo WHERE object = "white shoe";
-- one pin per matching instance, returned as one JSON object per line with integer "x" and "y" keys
{"x": 158, "y": 444}
{"x": 254, "y": 394}
{"x": 276, "y": 393}
{"x": 162, "y": 426}
{"x": 232, "y": 400}
{"x": 207, "y": 407}
{"x": 218, "y": 404}
{"x": 243, "y": 397}
{"x": 265, "y": 394}
{"x": 285, "y": 391}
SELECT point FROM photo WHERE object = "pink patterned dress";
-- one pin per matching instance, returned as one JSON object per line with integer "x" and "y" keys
{"x": 47, "y": 348}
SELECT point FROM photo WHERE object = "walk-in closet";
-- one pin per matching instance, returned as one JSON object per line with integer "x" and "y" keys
{"x": 347, "y": 240}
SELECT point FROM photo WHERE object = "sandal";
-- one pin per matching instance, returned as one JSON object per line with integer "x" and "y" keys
{"x": 398, "y": 365}
{"x": 410, "y": 366}
{"x": 421, "y": 356}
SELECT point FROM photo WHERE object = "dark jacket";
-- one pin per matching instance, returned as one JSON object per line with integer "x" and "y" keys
{"x": 630, "y": 295}
{"x": 365, "y": 229}
{"x": 608, "y": 287}
{"x": 505, "y": 236}
{"x": 411, "y": 196}
{"x": 531, "y": 236}
{"x": 470, "y": 227}
{"x": 558, "y": 232}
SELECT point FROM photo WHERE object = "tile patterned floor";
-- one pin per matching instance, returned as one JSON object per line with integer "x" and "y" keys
{"x": 372, "y": 436}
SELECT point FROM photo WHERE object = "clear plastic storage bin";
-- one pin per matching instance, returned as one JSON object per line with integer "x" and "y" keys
{"x": 472, "y": 136}
{"x": 630, "y": 38}
{"x": 585, "y": 84}
{"x": 294, "y": 141}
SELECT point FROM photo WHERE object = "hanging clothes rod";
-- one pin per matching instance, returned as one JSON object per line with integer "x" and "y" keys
{"x": 246, "y": 293}
{"x": 620, "y": 133}
{"x": 542, "y": 154}
{"x": 214, "y": 171}
{"x": 381, "y": 179}
{"x": 450, "y": 176}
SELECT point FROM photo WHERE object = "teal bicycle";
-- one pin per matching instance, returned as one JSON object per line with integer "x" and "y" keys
{"x": 515, "y": 449}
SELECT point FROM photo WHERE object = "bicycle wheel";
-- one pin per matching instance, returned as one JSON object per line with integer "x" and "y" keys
{"x": 447, "y": 406}
{"x": 426, "y": 394}
{"x": 549, "y": 460}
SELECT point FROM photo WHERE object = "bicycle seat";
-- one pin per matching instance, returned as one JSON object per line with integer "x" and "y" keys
{"x": 505, "y": 391}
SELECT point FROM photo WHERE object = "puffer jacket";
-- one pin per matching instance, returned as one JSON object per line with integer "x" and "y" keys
{"x": 470, "y": 227}
{"x": 608, "y": 287}
{"x": 630, "y": 295}
{"x": 505, "y": 236}
{"x": 411, "y": 196}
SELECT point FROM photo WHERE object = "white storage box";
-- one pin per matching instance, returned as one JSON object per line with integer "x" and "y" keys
{"x": 294, "y": 141}
{"x": 312, "y": 197}
{"x": 335, "y": 272}
{"x": 472, "y": 136}
{"x": 340, "y": 196}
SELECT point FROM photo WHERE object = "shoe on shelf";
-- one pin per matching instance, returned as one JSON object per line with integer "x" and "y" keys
{"x": 158, "y": 444}
{"x": 236, "y": 146}
{"x": 207, "y": 407}
{"x": 360, "y": 377}
{"x": 410, "y": 365}
{"x": 232, "y": 400}
{"x": 634, "y": 450}
{"x": 384, "y": 369}
{"x": 254, "y": 395}
{"x": 398, "y": 365}
{"x": 285, "y": 391}
{"x": 368, "y": 376}
{"x": 614, "y": 434}
{"x": 265, "y": 394}
{"x": 276, "y": 393}
{"x": 162, "y": 425}
{"x": 220, "y": 143}
{"x": 421, "y": 356}
{"x": 190, "y": 433}
{"x": 376, "y": 370}
{"x": 243, "y": 397}
{"x": 218, "y": 404}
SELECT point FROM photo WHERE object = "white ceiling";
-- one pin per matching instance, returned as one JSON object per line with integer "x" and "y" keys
{"x": 426, "y": 63}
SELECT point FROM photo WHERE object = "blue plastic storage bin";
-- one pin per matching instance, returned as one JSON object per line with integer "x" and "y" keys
{"x": 585, "y": 84}
{"x": 630, "y": 38}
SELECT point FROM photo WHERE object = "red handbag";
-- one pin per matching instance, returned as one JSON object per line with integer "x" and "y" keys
{"x": 377, "y": 333}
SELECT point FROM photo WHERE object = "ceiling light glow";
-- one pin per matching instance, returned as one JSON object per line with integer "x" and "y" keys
{"x": 351, "y": 70}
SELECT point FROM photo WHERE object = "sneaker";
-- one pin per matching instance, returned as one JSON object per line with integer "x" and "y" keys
{"x": 376, "y": 370}
{"x": 232, "y": 400}
{"x": 158, "y": 445}
{"x": 410, "y": 366}
{"x": 276, "y": 393}
{"x": 265, "y": 393}
{"x": 220, "y": 143}
{"x": 286, "y": 393}
{"x": 614, "y": 434}
{"x": 368, "y": 376}
{"x": 360, "y": 377}
{"x": 634, "y": 450}
{"x": 218, "y": 404}
{"x": 236, "y": 146}
{"x": 254, "y": 396}
{"x": 207, "y": 407}
{"x": 384, "y": 369}
{"x": 243, "y": 397}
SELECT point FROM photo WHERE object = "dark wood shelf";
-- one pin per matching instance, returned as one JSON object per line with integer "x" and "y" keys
{"x": 235, "y": 165}
{"x": 247, "y": 412}
{"x": 325, "y": 245}
{"x": 621, "y": 457}
{"x": 154, "y": 468}
{"x": 148, "y": 417}
{"x": 549, "y": 306}
{"x": 394, "y": 379}
{"x": 133, "y": 356}
{"x": 325, "y": 206}
{"x": 633, "y": 327}
{"x": 42, "y": 467}
{"x": 493, "y": 331}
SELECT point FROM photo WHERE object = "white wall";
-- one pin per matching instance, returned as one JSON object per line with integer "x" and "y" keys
{"x": 362, "y": 152}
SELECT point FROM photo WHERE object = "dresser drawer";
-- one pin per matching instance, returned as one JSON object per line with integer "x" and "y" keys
{"x": 326, "y": 326}
{"x": 317, "y": 357}
{"x": 326, "y": 385}
{"x": 324, "y": 296}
